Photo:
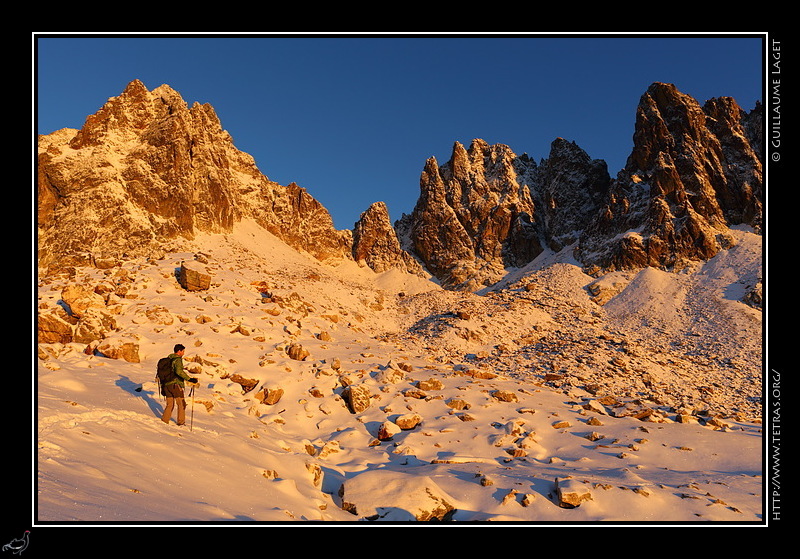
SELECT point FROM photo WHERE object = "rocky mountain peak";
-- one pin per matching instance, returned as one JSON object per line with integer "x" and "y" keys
{"x": 473, "y": 217}
{"x": 375, "y": 242}
{"x": 570, "y": 187}
{"x": 692, "y": 173}
{"x": 146, "y": 169}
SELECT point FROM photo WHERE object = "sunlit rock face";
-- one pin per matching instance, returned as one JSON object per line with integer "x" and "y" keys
{"x": 147, "y": 168}
{"x": 693, "y": 172}
{"x": 375, "y": 242}
{"x": 474, "y": 216}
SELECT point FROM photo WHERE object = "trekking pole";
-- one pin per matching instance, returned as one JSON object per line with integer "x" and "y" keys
{"x": 191, "y": 419}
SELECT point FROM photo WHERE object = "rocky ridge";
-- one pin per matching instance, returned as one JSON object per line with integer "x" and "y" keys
{"x": 693, "y": 173}
{"x": 147, "y": 170}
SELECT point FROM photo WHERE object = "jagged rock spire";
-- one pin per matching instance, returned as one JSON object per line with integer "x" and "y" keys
{"x": 375, "y": 242}
{"x": 691, "y": 174}
{"x": 474, "y": 215}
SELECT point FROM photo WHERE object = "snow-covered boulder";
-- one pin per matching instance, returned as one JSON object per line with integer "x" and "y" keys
{"x": 386, "y": 495}
{"x": 572, "y": 492}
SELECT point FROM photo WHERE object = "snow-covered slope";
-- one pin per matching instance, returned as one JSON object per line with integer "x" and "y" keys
{"x": 520, "y": 361}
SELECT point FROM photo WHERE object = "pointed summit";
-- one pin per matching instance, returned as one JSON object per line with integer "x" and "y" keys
{"x": 474, "y": 216}
{"x": 691, "y": 175}
{"x": 146, "y": 169}
{"x": 375, "y": 242}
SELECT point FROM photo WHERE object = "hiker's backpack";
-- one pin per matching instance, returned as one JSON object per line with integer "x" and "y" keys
{"x": 164, "y": 372}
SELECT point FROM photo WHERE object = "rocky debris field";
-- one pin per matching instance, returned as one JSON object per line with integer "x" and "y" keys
{"x": 331, "y": 393}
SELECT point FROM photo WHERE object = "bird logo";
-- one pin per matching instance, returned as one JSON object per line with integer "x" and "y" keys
{"x": 18, "y": 545}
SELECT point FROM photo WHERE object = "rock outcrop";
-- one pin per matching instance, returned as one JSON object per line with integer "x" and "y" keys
{"x": 375, "y": 242}
{"x": 692, "y": 173}
{"x": 474, "y": 216}
{"x": 569, "y": 189}
{"x": 381, "y": 495}
{"x": 193, "y": 276}
{"x": 145, "y": 169}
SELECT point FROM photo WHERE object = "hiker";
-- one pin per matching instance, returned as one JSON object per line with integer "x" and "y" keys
{"x": 172, "y": 389}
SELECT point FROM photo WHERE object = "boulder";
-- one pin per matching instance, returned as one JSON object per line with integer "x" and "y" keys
{"x": 408, "y": 421}
{"x": 390, "y": 376}
{"x": 94, "y": 325}
{"x": 119, "y": 348}
{"x": 387, "y": 430}
{"x": 430, "y": 384}
{"x": 193, "y": 276}
{"x": 572, "y": 492}
{"x": 457, "y": 404}
{"x": 504, "y": 396}
{"x": 52, "y": 328}
{"x": 357, "y": 397}
{"x": 79, "y": 298}
{"x": 269, "y": 396}
{"x": 247, "y": 384}
{"x": 297, "y": 352}
{"x": 159, "y": 315}
{"x": 393, "y": 496}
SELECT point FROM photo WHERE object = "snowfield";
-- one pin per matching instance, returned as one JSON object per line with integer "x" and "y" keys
{"x": 518, "y": 392}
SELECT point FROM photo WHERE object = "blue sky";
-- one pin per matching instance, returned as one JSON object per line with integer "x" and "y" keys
{"x": 353, "y": 119}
